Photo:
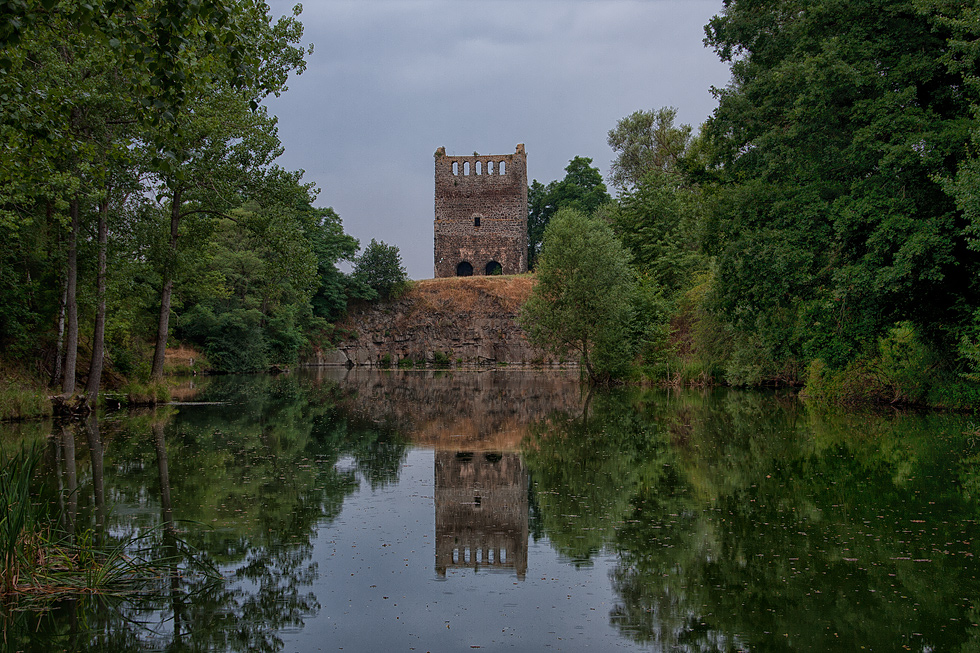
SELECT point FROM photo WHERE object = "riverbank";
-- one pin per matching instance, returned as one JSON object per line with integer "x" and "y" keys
{"x": 26, "y": 396}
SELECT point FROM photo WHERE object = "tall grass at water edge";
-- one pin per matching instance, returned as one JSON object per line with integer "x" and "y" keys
{"x": 21, "y": 517}
{"x": 40, "y": 559}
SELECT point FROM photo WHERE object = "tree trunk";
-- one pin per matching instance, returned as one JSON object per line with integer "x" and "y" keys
{"x": 98, "y": 334}
{"x": 59, "y": 357}
{"x": 71, "y": 331}
{"x": 163, "y": 324}
{"x": 585, "y": 359}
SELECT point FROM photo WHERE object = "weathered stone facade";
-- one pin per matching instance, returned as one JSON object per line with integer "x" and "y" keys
{"x": 480, "y": 214}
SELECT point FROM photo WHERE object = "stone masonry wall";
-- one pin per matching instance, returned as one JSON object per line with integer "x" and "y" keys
{"x": 480, "y": 212}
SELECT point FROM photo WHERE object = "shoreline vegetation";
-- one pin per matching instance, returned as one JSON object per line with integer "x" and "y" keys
{"x": 820, "y": 230}
{"x": 693, "y": 351}
{"x": 46, "y": 556}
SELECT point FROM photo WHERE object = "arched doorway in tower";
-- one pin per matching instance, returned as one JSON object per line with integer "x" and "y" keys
{"x": 494, "y": 268}
{"x": 464, "y": 269}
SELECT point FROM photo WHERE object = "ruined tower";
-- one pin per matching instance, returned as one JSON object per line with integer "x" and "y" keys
{"x": 481, "y": 214}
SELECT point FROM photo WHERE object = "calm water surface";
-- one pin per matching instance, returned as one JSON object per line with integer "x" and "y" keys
{"x": 509, "y": 510}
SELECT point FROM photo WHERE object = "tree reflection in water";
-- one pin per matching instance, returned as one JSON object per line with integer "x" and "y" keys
{"x": 744, "y": 522}
{"x": 729, "y": 520}
{"x": 241, "y": 487}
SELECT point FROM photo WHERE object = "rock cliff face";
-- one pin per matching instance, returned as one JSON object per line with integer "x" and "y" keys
{"x": 462, "y": 320}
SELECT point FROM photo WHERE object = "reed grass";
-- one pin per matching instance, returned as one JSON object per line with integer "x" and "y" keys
{"x": 20, "y": 523}
{"x": 39, "y": 560}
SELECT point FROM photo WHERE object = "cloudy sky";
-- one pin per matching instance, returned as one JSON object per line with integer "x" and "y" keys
{"x": 390, "y": 81}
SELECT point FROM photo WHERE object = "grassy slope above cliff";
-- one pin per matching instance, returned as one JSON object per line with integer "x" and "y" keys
{"x": 450, "y": 296}
{"x": 469, "y": 294}
{"x": 465, "y": 318}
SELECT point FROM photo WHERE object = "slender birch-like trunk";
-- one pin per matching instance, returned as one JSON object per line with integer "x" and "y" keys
{"x": 98, "y": 334}
{"x": 59, "y": 357}
{"x": 71, "y": 305}
{"x": 163, "y": 324}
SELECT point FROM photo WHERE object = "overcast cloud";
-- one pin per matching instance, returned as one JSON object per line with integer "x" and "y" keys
{"x": 390, "y": 81}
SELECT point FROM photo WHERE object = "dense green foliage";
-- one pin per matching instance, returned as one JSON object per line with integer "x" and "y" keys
{"x": 839, "y": 227}
{"x": 645, "y": 141}
{"x": 829, "y": 149}
{"x": 822, "y": 225}
{"x": 581, "y": 302}
{"x": 380, "y": 269}
{"x": 582, "y": 188}
{"x": 139, "y": 198}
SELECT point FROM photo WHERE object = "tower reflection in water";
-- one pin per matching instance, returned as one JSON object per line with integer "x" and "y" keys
{"x": 475, "y": 422}
{"x": 481, "y": 511}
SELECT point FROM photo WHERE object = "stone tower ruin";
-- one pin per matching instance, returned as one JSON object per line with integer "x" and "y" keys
{"x": 481, "y": 214}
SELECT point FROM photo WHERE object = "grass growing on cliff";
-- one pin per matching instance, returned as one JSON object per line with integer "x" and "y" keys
{"x": 467, "y": 294}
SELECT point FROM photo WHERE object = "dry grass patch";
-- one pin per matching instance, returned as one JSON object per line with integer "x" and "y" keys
{"x": 22, "y": 396}
{"x": 183, "y": 360}
{"x": 468, "y": 294}
{"x": 441, "y": 301}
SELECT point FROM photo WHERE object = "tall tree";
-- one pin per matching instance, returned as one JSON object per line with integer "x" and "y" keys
{"x": 380, "y": 268}
{"x": 582, "y": 300}
{"x": 331, "y": 245}
{"x": 645, "y": 141}
{"x": 66, "y": 131}
{"x": 84, "y": 85}
{"x": 659, "y": 224}
{"x": 832, "y": 139}
{"x": 220, "y": 154}
{"x": 582, "y": 189}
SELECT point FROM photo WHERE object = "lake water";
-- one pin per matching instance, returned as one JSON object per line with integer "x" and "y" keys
{"x": 511, "y": 510}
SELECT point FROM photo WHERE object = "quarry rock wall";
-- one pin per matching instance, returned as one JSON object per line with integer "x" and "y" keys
{"x": 460, "y": 321}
